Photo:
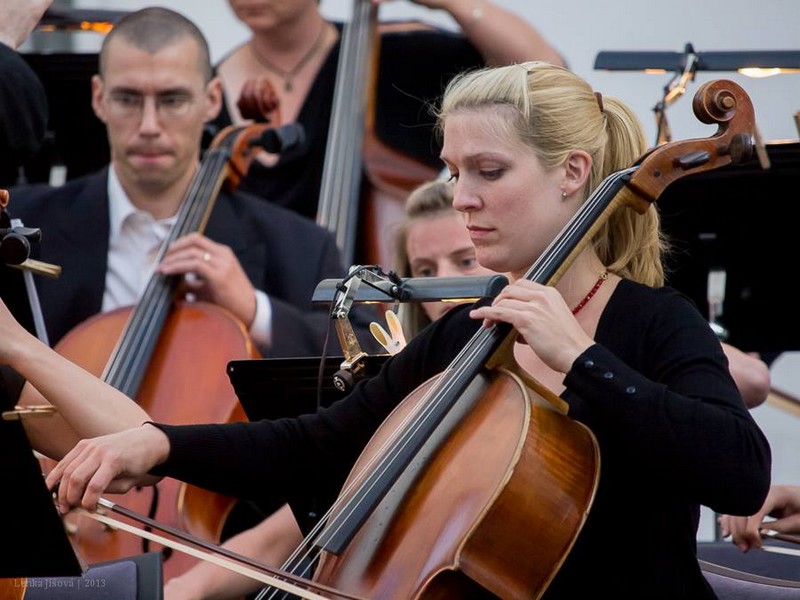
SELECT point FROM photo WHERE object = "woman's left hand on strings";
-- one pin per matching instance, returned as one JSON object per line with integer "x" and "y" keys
{"x": 540, "y": 315}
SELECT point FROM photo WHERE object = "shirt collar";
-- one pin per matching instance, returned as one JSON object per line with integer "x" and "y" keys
{"x": 120, "y": 206}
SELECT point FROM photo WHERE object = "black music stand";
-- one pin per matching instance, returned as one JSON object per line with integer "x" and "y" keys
{"x": 738, "y": 219}
{"x": 272, "y": 388}
{"x": 39, "y": 543}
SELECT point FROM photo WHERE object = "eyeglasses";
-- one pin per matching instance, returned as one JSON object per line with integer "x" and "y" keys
{"x": 169, "y": 105}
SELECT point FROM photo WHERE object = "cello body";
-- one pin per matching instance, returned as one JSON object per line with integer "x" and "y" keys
{"x": 185, "y": 383}
{"x": 512, "y": 463}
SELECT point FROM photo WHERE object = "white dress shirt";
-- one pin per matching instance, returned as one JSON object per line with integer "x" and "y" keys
{"x": 130, "y": 269}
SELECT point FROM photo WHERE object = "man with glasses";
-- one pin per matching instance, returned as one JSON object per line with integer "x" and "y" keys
{"x": 155, "y": 90}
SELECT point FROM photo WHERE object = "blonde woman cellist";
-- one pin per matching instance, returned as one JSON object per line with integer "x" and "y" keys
{"x": 634, "y": 361}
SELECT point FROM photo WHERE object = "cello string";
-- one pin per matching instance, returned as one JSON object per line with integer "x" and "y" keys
{"x": 156, "y": 297}
{"x": 128, "y": 363}
{"x": 126, "y": 367}
{"x": 159, "y": 294}
{"x": 553, "y": 255}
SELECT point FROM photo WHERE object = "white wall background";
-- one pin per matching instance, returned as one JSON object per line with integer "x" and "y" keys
{"x": 581, "y": 28}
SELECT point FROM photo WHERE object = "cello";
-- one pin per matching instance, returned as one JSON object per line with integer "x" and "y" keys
{"x": 158, "y": 350}
{"x": 436, "y": 503}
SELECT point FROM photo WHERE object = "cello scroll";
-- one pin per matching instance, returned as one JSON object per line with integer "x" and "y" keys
{"x": 720, "y": 101}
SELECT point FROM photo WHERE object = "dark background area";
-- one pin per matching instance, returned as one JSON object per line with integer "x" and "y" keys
{"x": 741, "y": 219}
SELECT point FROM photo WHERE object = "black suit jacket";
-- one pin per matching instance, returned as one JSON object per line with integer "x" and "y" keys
{"x": 283, "y": 254}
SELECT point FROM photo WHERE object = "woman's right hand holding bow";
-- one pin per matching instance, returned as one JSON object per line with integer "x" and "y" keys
{"x": 107, "y": 464}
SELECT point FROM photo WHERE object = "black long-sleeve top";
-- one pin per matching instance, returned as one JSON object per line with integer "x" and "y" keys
{"x": 672, "y": 430}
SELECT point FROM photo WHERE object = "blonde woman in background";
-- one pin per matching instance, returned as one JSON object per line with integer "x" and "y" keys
{"x": 431, "y": 241}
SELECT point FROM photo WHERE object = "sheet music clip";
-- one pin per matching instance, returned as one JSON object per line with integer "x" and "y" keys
{"x": 369, "y": 284}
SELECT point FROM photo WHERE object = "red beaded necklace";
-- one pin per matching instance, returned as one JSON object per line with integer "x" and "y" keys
{"x": 592, "y": 292}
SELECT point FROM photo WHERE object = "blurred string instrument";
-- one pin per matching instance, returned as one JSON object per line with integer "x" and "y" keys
{"x": 364, "y": 182}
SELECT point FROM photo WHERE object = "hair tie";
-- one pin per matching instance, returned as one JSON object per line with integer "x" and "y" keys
{"x": 599, "y": 98}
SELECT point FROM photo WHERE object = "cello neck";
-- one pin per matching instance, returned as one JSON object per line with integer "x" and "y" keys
{"x": 341, "y": 175}
{"x": 126, "y": 368}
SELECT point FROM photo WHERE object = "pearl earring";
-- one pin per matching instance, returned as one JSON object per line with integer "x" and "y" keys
{"x": 563, "y": 195}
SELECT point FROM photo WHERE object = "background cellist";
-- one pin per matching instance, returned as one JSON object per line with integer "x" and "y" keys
{"x": 634, "y": 361}
{"x": 154, "y": 115}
